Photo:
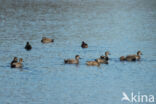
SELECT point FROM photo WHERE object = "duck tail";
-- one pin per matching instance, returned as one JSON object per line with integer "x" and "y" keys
{"x": 52, "y": 40}
{"x": 65, "y": 61}
{"x": 107, "y": 58}
{"x": 12, "y": 66}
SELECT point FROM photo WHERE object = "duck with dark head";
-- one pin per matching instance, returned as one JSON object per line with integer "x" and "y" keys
{"x": 15, "y": 60}
{"x": 28, "y": 46}
{"x": 84, "y": 45}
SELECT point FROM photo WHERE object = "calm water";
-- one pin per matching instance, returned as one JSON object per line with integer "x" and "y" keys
{"x": 119, "y": 26}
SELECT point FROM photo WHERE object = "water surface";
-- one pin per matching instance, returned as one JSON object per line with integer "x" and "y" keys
{"x": 119, "y": 26}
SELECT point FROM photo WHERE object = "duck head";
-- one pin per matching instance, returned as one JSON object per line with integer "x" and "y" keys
{"x": 27, "y": 43}
{"x": 107, "y": 53}
{"x": 139, "y": 53}
{"x": 15, "y": 59}
{"x": 77, "y": 57}
{"x": 20, "y": 60}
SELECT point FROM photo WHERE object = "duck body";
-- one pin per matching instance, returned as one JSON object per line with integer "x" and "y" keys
{"x": 84, "y": 45}
{"x": 47, "y": 40}
{"x": 102, "y": 61}
{"x": 72, "y": 61}
{"x": 131, "y": 58}
{"x": 17, "y": 65}
{"x": 93, "y": 63}
{"x": 28, "y": 46}
{"x": 105, "y": 58}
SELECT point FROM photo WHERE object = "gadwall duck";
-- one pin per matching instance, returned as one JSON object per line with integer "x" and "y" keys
{"x": 106, "y": 56}
{"x": 131, "y": 57}
{"x": 93, "y": 63}
{"x": 84, "y": 45}
{"x": 28, "y": 46}
{"x": 134, "y": 57}
{"x": 72, "y": 61}
{"x": 47, "y": 40}
{"x": 18, "y": 64}
{"x": 15, "y": 60}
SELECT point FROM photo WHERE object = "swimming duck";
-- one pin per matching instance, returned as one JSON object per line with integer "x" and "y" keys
{"x": 106, "y": 56}
{"x": 134, "y": 57}
{"x": 28, "y": 46}
{"x": 93, "y": 63}
{"x": 72, "y": 61}
{"x": 47, "y": 40}
{"x": 131, "y": 57}
{"x": 84, "y": 45}
{"x": 15, "y": 60}
{"x": 17, "y": 64}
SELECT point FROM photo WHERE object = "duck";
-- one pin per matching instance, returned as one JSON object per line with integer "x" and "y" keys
{"x": 106, "y": 56}
{"x": 72, "y": 61}
{"x": 131, "y": 57}
{"x": 134, "y": 57}
{"x": 15, "y": 60}
{"x": 47, "y": 40}
{"x": 18, "y": 64}
{"x": 93, "y": 63}
{"x": 84, "y": 45}
{"x": 28, "y": 46}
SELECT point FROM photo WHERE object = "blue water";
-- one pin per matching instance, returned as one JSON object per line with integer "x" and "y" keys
{"x": 119, "y": 26}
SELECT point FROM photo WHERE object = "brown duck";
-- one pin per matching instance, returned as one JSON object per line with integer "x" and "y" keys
{"x": 47, "y": 40}
{"x": 131, "y": 57}
{"x": 72, "y": 61}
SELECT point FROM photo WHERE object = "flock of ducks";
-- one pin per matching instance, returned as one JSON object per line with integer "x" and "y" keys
{"x": 101, "y": 60}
